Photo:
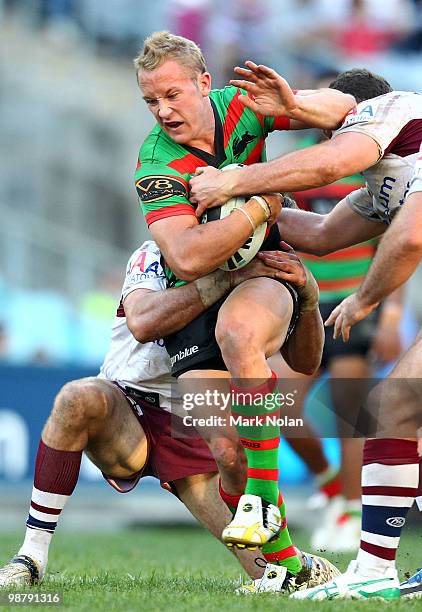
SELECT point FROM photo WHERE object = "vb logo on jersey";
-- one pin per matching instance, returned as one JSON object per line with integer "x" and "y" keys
{"x": 155, "y": 188}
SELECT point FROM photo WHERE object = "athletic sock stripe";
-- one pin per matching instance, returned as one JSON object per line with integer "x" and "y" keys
{"x": 38, "y": 529}
{"x": 391, "y": 491}
{"x": 260, "y": 444}
{"x": 43, "y": 516}
{"x": 390, "y": 451}
{"x": 280, "y": 555}
{"x": 406, "y": 476}
{"x": 45, "y": 508}
{"x": 384, "y": 520}
{"x": 379, "y": 551}
{"x": 33, "y": 522}
{"x": 386, "y": 500}
{"x": 380, "y": 540}
{"x": 263, "y": 473}
{"x": 50, "y": 500}
{"x": 230, "y": 500}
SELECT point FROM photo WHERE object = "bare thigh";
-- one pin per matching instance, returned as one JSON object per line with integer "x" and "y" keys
{"x": 94, "y": 416}
{"x": 120, "y": 447}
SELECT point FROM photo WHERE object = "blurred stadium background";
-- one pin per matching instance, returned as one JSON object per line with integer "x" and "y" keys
{"x": 71, "y": 121}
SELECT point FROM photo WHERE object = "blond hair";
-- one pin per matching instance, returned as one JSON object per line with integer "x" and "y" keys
{"x": 162, "y": 46}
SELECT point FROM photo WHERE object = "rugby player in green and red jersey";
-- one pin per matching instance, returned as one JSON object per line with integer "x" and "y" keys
{"x": 197, "y": 126}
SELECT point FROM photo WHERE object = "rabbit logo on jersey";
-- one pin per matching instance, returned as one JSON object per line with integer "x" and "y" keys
{"x": 145, "y": 265}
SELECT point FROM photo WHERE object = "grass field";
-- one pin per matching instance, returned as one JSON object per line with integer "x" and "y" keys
{"x": 172, "y": 569}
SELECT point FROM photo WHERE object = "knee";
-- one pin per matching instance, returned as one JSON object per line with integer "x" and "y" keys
{"x": 236, "y": 336}
{"x": 79, "y": 402}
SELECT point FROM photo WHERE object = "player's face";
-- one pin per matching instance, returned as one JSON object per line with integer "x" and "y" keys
{"x": 176, "y": 99}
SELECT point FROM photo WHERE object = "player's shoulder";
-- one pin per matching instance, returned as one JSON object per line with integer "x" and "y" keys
{"x": 226, "y": 93}
{"x": 158, "y": 149}
{"x": 226, "y": 99}
{"x": 375, "y": 109}
{"x": 144, "y": 256}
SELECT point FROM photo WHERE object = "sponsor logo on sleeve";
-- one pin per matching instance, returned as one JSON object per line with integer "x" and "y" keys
{"x": 145, "y": 265}
{"x": 358, "y": 115}
{"x": 156, "y": 188}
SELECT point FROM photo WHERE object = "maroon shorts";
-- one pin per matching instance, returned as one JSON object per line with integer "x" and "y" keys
{"x": 169, "y": 458}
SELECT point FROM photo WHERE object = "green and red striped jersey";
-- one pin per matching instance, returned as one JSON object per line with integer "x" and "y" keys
{"x": 338, "y": 274}
{"x": 165, "y": 167}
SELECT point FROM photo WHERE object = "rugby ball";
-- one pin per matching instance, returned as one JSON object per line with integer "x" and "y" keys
{"x": 252, "y": 245}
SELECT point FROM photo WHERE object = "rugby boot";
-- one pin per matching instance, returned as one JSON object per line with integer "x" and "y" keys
{"x": 255, "y": 523}
{"x": 356, "y": 583}
{"x": 20, "y": 571}
{"x": 276, "y": 579}
{"x": 412, "y": 587}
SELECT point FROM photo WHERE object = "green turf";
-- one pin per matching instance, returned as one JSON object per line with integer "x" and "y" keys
{"x": 172, "y": 570}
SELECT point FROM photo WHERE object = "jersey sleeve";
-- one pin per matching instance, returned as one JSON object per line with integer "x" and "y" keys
{"x": 361, "y": 202}
{"x": 144, "y": 270}
{"x": 276, "y": 123}
{"x": 381, "y": 119}
{"x": 162, "y": 192}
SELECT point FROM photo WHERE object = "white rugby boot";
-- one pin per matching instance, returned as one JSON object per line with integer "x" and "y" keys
{"x": 277, "y": 579}
{"x": 255, "y": 523}
{"x": 412, "y": 587}
{"x": 20, "y": 571}
{"x": 356, "y": 583}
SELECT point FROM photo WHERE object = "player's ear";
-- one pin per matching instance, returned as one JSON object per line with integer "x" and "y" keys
{"x": 204, "y": 83}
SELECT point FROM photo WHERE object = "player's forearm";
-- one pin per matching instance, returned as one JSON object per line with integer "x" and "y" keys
{"x": 161, "y": 313}
{"x": 387, "y": 272}
{"x": 397, "y": 256}
{"x": 202, "y": 248}
{"x": 303, "y": 350}
{"x": 392, "y": 309}
{"x": 302, "y": 230}
{"x": 323, "y": 108}
{"x": 297, "y": 171}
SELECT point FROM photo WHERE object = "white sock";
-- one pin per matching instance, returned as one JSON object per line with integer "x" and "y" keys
{"x": 36, "y": 545}
{"x": 44, "y": 513}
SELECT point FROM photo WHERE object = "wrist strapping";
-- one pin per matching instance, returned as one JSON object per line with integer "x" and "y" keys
{"x": 213, "y": 286}
{"x": 247, "y": 215}
{"x": 264, "y": 205}
{"x": 309, "y": 293}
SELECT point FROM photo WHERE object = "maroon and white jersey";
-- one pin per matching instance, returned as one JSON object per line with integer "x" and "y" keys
{"x": 394, "y": 121}
{"x": 144, "y": 366}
